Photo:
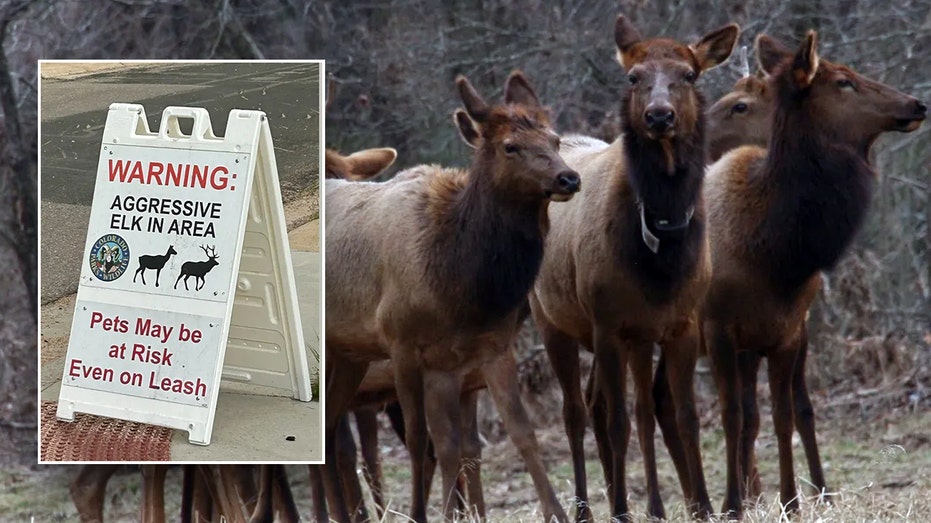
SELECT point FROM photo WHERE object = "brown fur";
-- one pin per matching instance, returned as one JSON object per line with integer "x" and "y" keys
{"x": 603, "y": 287}
{"x": 429, "y": 271}
{"x": 777, "y": 218}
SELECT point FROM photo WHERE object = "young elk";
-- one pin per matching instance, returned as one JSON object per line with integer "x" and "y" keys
{"x": 776, "y": 219}
{"x": 626, "y": 265}
{"x": 740, "y": 117}
{"x": 430, "y": 270}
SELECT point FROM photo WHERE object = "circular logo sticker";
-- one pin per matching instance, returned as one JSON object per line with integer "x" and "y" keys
{"x": 109, "y": 257}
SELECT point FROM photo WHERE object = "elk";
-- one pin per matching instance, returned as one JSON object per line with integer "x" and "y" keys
{"x": 626, "y": 265}
{"x": 153, "y": 261}
{"x": 740, "y": 117}
{"x": 198, "y": 269}
{"x": 430, "y": 270}
{"x": 777, "y": 218}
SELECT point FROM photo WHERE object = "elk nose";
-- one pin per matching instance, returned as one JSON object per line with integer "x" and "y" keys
{"x": 568, "y": 181}
{"x": 921, "y": 108}
{"x": 660, "y": 118}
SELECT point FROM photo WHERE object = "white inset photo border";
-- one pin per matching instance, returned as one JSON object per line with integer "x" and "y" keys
{"x": 253, "y": 420}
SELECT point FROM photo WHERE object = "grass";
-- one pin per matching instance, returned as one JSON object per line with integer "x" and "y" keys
{"x": 872, "y": 477}
{"x": 880, "y": 470}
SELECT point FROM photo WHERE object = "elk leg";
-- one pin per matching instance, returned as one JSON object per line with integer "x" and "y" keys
{"x": 243, "y": 480}
{"x": 367, "y": 424}
{"x": 153, "y": 493}
{"x": 563, "y": 353}
{"x": 408, "y": 378}
{"x": 724, "y": 366}
{"x": 805, "y": 416}
{"x": 283, "y": 497}
{"x": 317, "y": 494}
{"x": 748, "y": 365}
{"x": 343, "y": 378}
{"x": 780, "y": 367}
{"x": 346, "y": 459}
{"x": 187, "y": 493}
{"x": 199, "y": 507}
{"x": 396, "y": 417}
{"x": 681, "y": 356}
{"x": 641, "y": 367}
{"x": 260, "y": 505}
{"x": 226, "y": 496}
{"x": 501, "y": 377}
{"x": 666, "y": 417}
{"x": 88, "y": 490}
{"x": 611, "y": 357}
{"x": 445, "y": 423}
{"x": 599, "y": 416}
{"x": 158, "y": 272}
{"x": 472, "y": 453}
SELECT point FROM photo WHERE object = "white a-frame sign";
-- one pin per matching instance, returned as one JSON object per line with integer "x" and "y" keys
{"x": 186, "y": 269}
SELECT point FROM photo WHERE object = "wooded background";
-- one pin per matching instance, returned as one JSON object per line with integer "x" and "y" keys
{"x": 394, "y": 63}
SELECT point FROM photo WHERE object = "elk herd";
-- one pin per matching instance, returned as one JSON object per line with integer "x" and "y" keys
{"x": 699, "y": 230}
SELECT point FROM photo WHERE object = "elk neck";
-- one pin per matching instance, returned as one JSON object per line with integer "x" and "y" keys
{"x": 818, "y": 193}
{"x": 663, "y": 223}
{"x": 482, "y": 248}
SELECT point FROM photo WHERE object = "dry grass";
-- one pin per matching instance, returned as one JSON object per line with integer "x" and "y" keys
{"x": 879, "y": 471}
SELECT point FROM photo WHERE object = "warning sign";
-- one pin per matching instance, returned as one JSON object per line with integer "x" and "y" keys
{"x": 162, "y": 295}
{"x": 178, "y": 217}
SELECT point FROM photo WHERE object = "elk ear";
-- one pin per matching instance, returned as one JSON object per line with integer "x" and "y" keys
{"x": 715, "y": 47}
{"x": 517, "y": 90}
{"x": 625, "y": 37}
{"x": 770, "y": 53}
{"x": 466, "y": 127}
{"x": 805, "y": 64}
{"x": 367, "y": 163}
{"x": 474, "y": 104}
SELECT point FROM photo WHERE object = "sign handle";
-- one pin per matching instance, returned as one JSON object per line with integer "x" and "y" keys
{"x": 171, "y": 129}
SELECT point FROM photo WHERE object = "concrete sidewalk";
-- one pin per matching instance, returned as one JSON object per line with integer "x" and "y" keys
{"x": 252, "y": 423}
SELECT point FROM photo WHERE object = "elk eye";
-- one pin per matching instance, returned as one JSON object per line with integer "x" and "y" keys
{"x": 690, "y": 76}
{"x": 845, "y": 83}
{"x": 510, "y": 148}
{"x": 632, "y": 78}
{"x": 739, "y": 108}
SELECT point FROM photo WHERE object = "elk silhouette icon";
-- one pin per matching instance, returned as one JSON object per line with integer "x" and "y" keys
{"x": 153, "y": 261}
{"x": 198, "y": 269}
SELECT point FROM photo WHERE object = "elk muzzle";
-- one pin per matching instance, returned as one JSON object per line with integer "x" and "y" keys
{"x": 564, "y": 186}
{"x": 919, "y": 111}
{"x": 660, "y": 118}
